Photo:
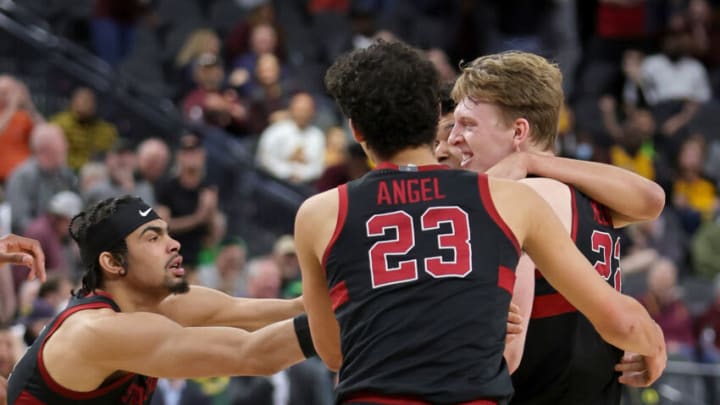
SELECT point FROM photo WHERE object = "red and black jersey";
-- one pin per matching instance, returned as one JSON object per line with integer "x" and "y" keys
{"x": 565, "y": 360}
{"x": 31, "y": 384}
{"x": 420, "y": 270}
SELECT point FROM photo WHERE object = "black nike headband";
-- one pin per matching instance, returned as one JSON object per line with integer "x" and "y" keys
{"x": 126, "y": 219}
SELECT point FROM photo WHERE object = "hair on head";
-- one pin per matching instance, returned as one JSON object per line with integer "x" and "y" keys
{"x": 390, "y": 92}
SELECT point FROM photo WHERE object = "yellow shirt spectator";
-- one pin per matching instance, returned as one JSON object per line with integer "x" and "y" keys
{"x": 641, "y": 163}
{"x": 699, "y": 194}
{"x": 85, "y": 132}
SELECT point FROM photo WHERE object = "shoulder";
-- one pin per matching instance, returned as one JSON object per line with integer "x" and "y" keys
{"x": 319, "y": 205}
{"x": 550, "y": 190}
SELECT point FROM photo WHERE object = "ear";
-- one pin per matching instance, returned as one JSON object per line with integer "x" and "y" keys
{"x": 109, "y": 264}
{"x": 521, "y": 134}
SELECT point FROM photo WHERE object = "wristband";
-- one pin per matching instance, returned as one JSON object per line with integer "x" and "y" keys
{"x": 302, "y": 330}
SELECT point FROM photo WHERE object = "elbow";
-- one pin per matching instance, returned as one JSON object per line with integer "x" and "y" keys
{"x": 655, "y": 201}
{"x": 333, "y": 361}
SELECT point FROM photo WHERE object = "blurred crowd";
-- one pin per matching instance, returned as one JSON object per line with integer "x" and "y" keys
{"x": 641, "y": 77}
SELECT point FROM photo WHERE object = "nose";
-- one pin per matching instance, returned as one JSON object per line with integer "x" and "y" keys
{"x": 174, "y": 245}
{"x": 454, "y": 137}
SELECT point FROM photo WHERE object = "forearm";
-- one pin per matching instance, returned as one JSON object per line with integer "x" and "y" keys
{"x": 271, "y": 349}
{"x": 606, "y": 184}
{"x": 253, "y": 314}
{"x": 633, "y": 330}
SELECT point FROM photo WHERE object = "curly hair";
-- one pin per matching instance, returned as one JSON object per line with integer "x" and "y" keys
{"x": 79, "y": 230}
{"x": 521, "y": 84}
{"x": 390, "y": 92}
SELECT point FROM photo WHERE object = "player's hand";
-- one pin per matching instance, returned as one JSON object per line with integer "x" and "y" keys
{"x": 514, "y": 323}
{"x": 513, "y": 167}
{"x": 27, "y": 252}
{"x": 640, "y": 371}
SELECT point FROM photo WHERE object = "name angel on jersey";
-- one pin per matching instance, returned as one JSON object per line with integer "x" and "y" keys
{"x": 408, "y": 191}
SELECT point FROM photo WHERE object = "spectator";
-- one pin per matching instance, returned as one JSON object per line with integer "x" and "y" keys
{"x": 633, "y": 148}
{"x": 51, "y": 230}
{"x": 198, "y": 42}
{"x": 32, "y": 184}
{"x": 704, "y": 250}
{"x": 263, "y": 39}
{"x": 669, "y": 310}
{"x": 16, "y": 125}
{"x": 228, "y": 273}
{"x": 153, "y": 159}
{"x": 293, "y": 149}
{"x": 113, "y": 27}
{"x": 647, "y": 241}
{"x": 42, "y": 312}
{"x": 269, "y": 100}
{"x": 92, "y": 174}
{"x": 188, "y": 202}
{"x": 286, "y": 260}
{"x": 674, "y": 84}
{"x": 237, "y": 41}
{"x": 56, "y": 290}
{"x": 354, "y": 165}
{"x": 694, "y": 196}
{"x": 121, "y": 162}
{"x": 87, "y": 134}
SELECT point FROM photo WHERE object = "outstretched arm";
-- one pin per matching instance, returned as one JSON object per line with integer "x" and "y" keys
{"x": 153, "y": 345}
{"x": 609, "y": 185}
{"x": 203, "y": 306}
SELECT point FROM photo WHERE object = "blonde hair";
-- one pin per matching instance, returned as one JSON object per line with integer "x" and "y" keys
{"x": 522, "y": 85}
{"x": 195, "y": 45}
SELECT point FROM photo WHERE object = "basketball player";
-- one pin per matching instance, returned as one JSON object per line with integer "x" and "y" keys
{"x": 511, "y": 102}
{"x": 23, "y": 251}
{"x": 136, "y": 319}
{"x": 408, "y": 272}
{"x": 446, "y": 153}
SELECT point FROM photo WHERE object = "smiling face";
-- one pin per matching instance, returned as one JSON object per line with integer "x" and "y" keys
{"x": 154, "y": 262}
{"x": 481, "y": 135}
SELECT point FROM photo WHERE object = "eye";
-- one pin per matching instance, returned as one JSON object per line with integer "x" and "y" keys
{"x": 154, "y": 238}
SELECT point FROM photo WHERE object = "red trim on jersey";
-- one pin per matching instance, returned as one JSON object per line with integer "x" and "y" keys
{"x": 342, "y": 215}
{"x": 550, "y": 305}
{"x": 339, "y": 295}
{"x": 27, "y": 398}
{"x": 52, "y": 384}
{"x": 422, "y": 168}
{"x": 487, "y": 201}
{"x": 506, "y": 279}
{"x": 573, "y": 206}
{"x": 377, "y": 399}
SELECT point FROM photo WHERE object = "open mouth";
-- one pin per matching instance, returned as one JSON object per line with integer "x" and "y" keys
{"x": 466, "y": 157}
{"x": 175, "y": 266}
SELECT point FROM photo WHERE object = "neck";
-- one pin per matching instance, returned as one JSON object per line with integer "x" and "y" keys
{"x": 133, "y": 300}
{"x": 419, "y": 156}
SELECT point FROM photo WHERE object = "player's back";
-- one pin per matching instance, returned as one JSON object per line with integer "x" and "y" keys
{"x": 565, "y": 361}
{"x": 420, "y": 271}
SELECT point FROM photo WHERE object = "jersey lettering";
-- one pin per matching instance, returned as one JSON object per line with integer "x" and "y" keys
{"x": 457, "y": 241}
{"x": 602, "y": 243}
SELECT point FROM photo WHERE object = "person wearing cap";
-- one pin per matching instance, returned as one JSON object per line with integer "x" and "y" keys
{"x": 187, "y": 200}
{"x": 136, "y": 319}
{"x": 286, "y": 260}
{"x": 51, "y": 229}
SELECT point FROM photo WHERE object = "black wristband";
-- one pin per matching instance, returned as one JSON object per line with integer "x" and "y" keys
{"x": 302, "y": 330}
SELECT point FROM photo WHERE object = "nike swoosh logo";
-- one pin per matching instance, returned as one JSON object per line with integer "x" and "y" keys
{"x": 144, "y": 213}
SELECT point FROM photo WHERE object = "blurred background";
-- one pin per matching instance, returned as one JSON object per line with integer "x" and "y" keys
{"x": 214, "y": 111}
